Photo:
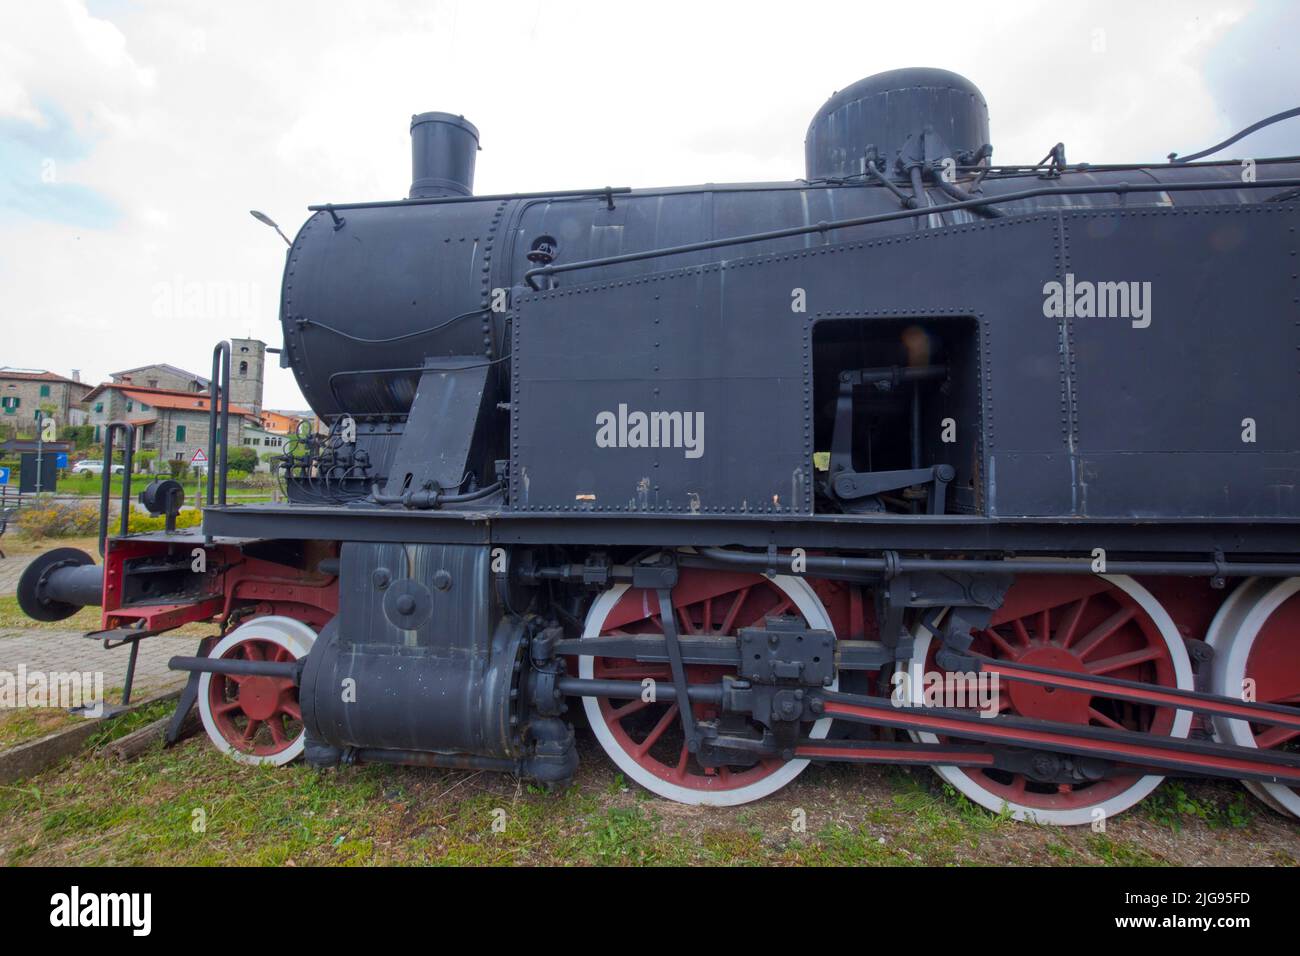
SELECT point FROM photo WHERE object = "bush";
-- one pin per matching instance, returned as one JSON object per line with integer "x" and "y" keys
{"x": 242, "y": 458}
{"x": 144, "y": 461}
{"x": 179, "y": 469}
{"x": 80, "y": 435}
{"x": 60, "y": 519}
{"x": 139, "y": 522}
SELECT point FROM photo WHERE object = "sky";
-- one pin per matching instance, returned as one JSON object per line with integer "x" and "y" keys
{"x": 135, "y": 137}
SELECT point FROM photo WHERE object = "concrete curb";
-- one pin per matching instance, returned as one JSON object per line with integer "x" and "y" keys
{"x": 31, "y": 758}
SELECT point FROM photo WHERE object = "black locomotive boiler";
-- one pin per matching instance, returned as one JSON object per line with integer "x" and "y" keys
{"x": 920, "y": 459}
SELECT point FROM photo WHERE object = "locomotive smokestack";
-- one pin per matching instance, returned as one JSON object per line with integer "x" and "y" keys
{"x": 442, "y": 155}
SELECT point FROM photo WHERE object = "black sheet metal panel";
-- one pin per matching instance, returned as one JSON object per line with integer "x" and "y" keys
{"x": 1161, "y": 410}
{"x": 725, "y": 340}
{"x": 448, "y": 409}
{"x": 1081, "y": 416}
{"x": 729, "y": 361}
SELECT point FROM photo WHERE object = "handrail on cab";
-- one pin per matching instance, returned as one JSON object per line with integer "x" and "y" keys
{"x": 106, "y": 480}
{"x": 221, "y": 375}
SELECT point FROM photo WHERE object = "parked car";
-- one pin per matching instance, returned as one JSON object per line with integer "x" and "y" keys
{"x": 92, "y": 466}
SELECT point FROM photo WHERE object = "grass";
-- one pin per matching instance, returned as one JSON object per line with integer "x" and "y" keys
{"x": 193, "y": 806}
{"x": 23, "y": 724}
{"x": 12, "y": 616}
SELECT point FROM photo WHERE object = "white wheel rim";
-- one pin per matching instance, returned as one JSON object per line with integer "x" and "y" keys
{"x": 809, "y": 605}
{"x": 1077, "y": 816}
{"x": 1232, "y": 635}
{"x": 295, "y": 637}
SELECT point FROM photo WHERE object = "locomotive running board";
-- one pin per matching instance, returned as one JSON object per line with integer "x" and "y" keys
{"x": 1124, "y": 746}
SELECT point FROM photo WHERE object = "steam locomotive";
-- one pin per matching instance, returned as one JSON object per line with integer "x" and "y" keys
{"x": 917, "y": 460}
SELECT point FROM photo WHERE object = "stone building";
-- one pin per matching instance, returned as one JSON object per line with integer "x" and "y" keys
{"x": 161, "y": 376}
{"x": 23, "y": 391}
{"x": 172, "y": 422}
{"x": 169, "y": 406}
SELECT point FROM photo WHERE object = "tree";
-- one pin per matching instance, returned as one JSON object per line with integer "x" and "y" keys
{"x": 242, "y": 458}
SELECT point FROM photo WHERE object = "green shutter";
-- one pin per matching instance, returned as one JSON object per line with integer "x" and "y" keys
{"x": 99, "y": 407}
{"x": 180, "y": 432}
{"x": 45, "y": 391}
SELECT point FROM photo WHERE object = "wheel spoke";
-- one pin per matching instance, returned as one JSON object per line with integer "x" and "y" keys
{"x": 686, "y": 624}
{"x": 1105, "y": 721}
{"x": 1022, "y": 635}
{"x": 1066, "y": 632}
{"x": 683, "y": 758}
{"x": 277, "y": 730}
{"x": 1093, "y": 639}
{"x": 290, "y": 706}
{"x": 1275, "y": 737}
{"x": 729, "y": 621}
{"x": 1000, "y": 641}
{"x": 1120, "y": 661}
{"x": 658, "y": 730}
{"x": 618, "y": 713}
{"x": 251, "y": 730}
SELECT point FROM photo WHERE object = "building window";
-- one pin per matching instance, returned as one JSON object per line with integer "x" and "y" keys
{"x": 130, "y": 406}
{"x": 97, "y": 438}
{"x": 45, "y": 391}
{"x": 144, "y": 407}
{"x": 180, "y": 433}
{"x": 10, "y": 404}
{"x": 99, "y": 407}
{"x": 153, "y": 383}
{"x": 243, "y": 368}
{"x": 248, "y": 441}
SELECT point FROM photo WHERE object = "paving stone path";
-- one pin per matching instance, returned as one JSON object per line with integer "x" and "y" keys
{"x": 42, "y": 649}
{"x": 45, "y": 649}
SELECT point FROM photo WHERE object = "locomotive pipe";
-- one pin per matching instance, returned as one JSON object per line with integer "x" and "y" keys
{"x": 822, "y": 564}
{"x": 630, "y": 689}
{"x": 961, "y": 195}
{"x": 606, "y": 191}
{"x": 423, "y": 500}
{"x": 903, "y": 198}
{"x": 825, "y": 226}
{"x": 220, "y": 665}
{"x": 919, "y": 198}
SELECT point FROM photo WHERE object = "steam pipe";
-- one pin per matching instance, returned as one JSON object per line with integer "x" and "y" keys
{"x": 961, "y": 195}
{"x": 894, "y": 565}
{"x": 431, "y": 499}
